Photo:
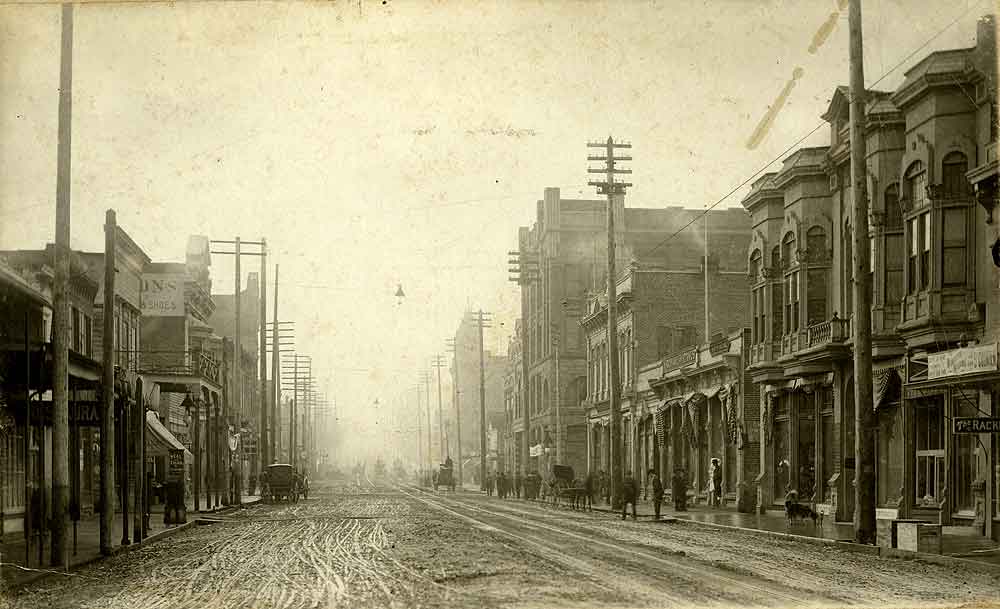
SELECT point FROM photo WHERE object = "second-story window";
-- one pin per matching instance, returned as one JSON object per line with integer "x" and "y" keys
{"x": 791, "y": 284}
{"x": 757, "y": 298}
{"x": 894, "y": 256}
{"x": 817, "y": 275}
{"x": 953, "y": 168}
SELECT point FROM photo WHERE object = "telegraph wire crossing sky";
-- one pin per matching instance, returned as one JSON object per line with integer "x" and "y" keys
{"x": 403, "y": 145}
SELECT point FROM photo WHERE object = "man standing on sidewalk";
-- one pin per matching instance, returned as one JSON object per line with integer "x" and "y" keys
{"x": 629, "y": 494}
{"x": 656, "y": 488}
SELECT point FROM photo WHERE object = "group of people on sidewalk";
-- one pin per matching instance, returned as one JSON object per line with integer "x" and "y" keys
{"x": 505, "y": 485}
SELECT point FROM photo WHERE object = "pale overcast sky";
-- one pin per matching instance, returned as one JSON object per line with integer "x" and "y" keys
{"x": 374, "y": 144}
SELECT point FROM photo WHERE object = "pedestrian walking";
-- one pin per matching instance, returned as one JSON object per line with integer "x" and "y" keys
{"x": 656, "y": 490}
{"x": 629, "y": 494}
{"x": 715, "y": 484}
{"x": 517, "y": 485}
{"x": 678, "y": 489}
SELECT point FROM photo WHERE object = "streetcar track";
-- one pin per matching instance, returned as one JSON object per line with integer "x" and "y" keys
{"x": 700, "y": 572}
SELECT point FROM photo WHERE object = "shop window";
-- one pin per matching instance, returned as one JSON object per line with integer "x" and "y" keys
{"x": 829, "y": 454}
{"x": 930, "y": 466}
{"x": 782, "y": 459}
{"x": 965, "y": 470}
{"x": 806, "y": 484}
{"x": 12, "y": 469}
{"x": 954, "y": 263}
{"x": 889, "y": 456}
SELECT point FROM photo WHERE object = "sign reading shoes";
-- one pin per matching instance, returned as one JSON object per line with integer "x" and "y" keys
{"x": 162, "y": 295}
{"x": 968, "y": 360}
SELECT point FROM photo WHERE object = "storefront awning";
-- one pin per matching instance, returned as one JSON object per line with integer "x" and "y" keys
{"x": 159, "y": 440}
{"x": 887, "y": 384}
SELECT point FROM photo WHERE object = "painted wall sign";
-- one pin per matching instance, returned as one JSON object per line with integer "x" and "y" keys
{"x": 963, "y": 425}
{"x": 162, "y": 295}
{"x": 967, "y": 360}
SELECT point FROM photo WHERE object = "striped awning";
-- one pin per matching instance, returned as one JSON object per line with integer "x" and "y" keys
{"x": 159, "y": 440}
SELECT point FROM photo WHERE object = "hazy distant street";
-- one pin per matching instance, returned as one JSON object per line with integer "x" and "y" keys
{"x": 385, "y": 546}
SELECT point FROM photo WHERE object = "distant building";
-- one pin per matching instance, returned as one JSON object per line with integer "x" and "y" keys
{"x": 569, "y": 239}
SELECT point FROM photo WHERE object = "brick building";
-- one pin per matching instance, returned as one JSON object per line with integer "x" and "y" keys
{"x": 569, "y": 241}
{"x": 933, "y": 295}
{"x": 661, "y": 311}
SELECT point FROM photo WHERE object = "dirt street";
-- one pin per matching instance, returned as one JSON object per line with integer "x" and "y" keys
{"x": 385, "y": 546}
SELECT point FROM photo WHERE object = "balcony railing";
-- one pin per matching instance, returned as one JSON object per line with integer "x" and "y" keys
{"x": 193, "y": 362}
{"x": 763, "y": 352}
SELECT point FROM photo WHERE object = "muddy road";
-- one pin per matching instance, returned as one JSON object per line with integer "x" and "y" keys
{"x": 387, "y": 546}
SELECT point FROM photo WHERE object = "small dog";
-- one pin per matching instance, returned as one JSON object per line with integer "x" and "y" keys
{"x": 797, "y": 512}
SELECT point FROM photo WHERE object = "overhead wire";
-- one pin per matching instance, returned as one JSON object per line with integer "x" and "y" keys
{"x": 815, "y": 129}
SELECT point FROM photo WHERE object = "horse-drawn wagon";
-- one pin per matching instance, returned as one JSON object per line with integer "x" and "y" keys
{"x": 445, "y": 477}
{"x": 280, "y": 483}
{"x": 566, "y": 486}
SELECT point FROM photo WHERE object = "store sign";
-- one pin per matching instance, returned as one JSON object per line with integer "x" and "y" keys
{"x": 536, "y": 451}
{"x": 968, "y": 360}
{"x": 962, "y": 425}
{"x": 175, "y": 467}
{"x": 162, "y": 295}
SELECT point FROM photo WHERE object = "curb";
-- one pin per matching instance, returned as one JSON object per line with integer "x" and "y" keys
{"x": 116, "y": 550}
{"x": 844, "y": 545}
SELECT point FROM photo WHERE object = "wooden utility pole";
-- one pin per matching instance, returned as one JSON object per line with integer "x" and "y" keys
{"x": 426, "y": 378}
{"x": 612, "y": 189}
{"x": 263, "y": 442}
{"x": 524, "y": 271}
{"x": 108, "y": 389}
{"x": 139, "y": 509}
{"x": 61, "y": 338}
{"x": 238, "y": 375}
{"x": 556, "y": 343}
{"x": 420, "y": 446}
{"x": 453, "y": 347}
{"x": 708, "y": 315}
{"x": 439, "y": 363}
{"x": 275, "y": 370}
{"x": 865, "y": 420}
{"x": 481, "y": 322}
{"x": 239, "y": 386}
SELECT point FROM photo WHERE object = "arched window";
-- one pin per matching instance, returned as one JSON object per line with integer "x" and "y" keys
{"x": 953, "y": 168}
{"x": 777, "y": 295}
{"x": 791, "y": 284}
{"x": 916, "y": 184}
{"x": 757, "y": 299}
{"x": 816, "y": 243}
{"x": 893, "y": 211}
{"x": 755, "y": 266}
{"x": 788, "y": 249}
